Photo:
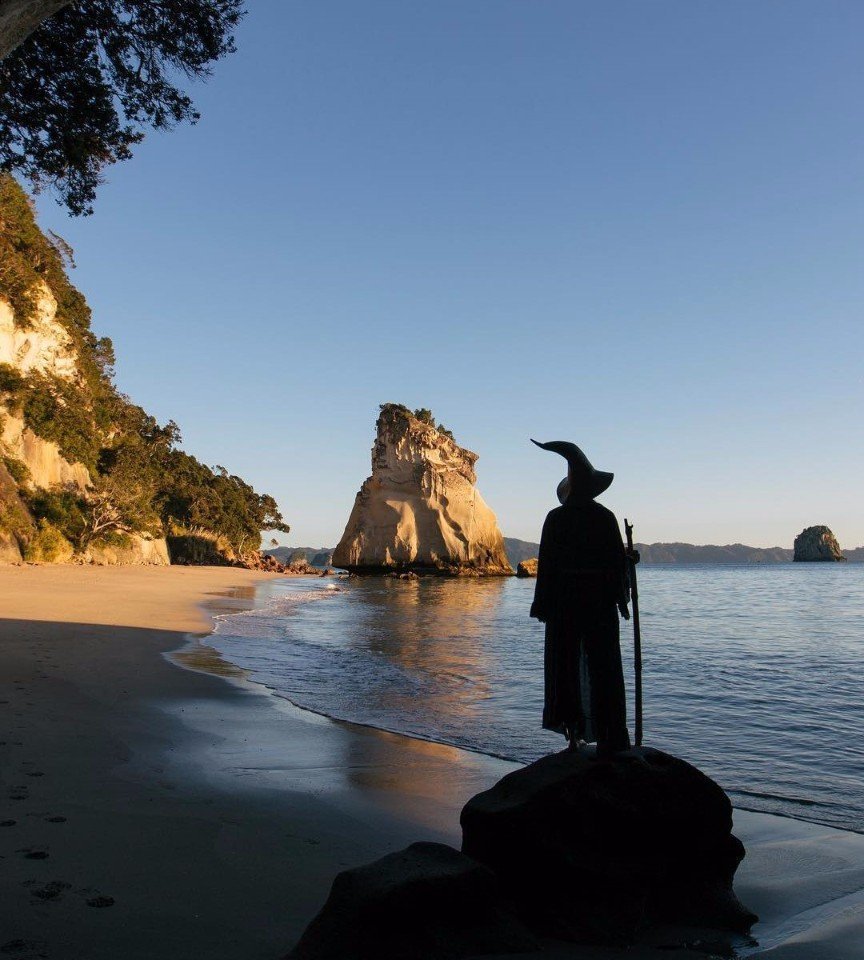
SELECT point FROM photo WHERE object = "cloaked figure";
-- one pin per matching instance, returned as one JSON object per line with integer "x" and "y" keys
{"x": 582, "y": 586}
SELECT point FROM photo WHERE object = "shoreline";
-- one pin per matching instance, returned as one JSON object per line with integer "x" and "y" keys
{"x": 215, "y": 815}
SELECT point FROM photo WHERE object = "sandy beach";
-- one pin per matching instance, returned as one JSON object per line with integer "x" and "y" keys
{"x": 151, "y": 810}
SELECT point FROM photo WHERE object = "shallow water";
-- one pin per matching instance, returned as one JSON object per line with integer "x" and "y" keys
{"x": 754, "y": 673}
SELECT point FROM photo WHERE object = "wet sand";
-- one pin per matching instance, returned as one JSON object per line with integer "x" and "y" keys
{"x": 154, "y": 811}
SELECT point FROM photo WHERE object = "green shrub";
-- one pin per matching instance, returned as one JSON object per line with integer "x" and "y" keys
{"x": 11, "y": 380}
{"x": 48, "y": 545}
{"x": 18, "y": 470}
{"x": 60, "y": 510}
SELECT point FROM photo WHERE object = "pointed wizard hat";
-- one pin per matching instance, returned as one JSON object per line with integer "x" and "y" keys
{"x": 581, "y": 475}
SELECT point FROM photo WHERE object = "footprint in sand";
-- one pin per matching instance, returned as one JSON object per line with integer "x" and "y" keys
{"x": 53, "y": 820}
{"x": 31, "y": 854}
{"x": 8, "y": 823}
{"x": 34, "y": 773}
{"x": 25, "y": 949}
{"x": 51, "y": 891}
{"x": 19, "y": 793}
{"x": 100, "y": 901}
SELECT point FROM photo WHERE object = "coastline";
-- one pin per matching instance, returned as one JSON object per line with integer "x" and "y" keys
{"x": 213, "y": 817}
{"x": 216, "y": 815}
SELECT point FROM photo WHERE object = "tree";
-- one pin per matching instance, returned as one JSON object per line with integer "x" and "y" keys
{"x": 19, "y": 18}
{"x": 81, "y": 90}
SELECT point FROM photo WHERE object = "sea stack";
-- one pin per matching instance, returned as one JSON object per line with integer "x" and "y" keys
{"x": 817, "y": 544}
{"x": 419, "y": 510}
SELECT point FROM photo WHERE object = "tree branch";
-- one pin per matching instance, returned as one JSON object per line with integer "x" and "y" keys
{"x": 19, "y": 18}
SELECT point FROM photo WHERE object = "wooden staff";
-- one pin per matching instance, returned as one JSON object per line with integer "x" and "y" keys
{"x": 637, "y": 633}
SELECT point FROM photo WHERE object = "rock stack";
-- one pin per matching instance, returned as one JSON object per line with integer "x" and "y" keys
{"x": 817, "y": 544}
{"x": 420, "y": 510}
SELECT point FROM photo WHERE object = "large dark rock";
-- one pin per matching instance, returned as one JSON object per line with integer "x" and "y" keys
{"x": 817, "y": 544}
{"x": 597, "y": 849}
{"x": 427, "y": 902}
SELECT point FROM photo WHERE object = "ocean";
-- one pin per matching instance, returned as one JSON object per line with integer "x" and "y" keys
{"x": 753, "y": 673}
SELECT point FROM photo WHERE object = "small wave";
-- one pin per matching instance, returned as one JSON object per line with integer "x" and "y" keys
{"x": 801, "y": 801}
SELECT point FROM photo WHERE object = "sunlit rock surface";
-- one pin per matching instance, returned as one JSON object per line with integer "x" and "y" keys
{"x": 420, "y": 509}
{"x": 817, "y": 544}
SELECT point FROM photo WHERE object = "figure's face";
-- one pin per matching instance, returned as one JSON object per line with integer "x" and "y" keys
{"x": 563, "y": 490}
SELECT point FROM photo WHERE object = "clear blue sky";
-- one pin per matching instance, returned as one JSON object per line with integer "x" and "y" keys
{"x": 638, "y": 226}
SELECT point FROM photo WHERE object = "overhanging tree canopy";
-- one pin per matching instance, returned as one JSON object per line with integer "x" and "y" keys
{"x": 79, "y": 92}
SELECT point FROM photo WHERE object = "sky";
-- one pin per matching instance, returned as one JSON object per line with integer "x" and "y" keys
{"x": 636, "y": 226}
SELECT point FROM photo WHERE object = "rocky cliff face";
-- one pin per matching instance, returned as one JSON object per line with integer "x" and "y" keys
{"x": 420, "y": 509}
{"x": 86, "y": 474}
{"x": 42, "y": 346}
{"x": 817, "y": 544}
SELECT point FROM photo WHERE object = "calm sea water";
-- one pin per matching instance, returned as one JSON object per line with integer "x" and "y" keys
{"x": 755, "y": 674}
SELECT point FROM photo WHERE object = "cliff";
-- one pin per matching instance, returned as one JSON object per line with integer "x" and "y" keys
{"x": 85, "y": 474}
{"x": 420, "y": 509}
{"x": 817, "y": 544}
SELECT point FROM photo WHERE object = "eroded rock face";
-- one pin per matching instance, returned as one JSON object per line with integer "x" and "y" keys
{"x": 817, "y": 544}
{"x": 527, "y": 568}
{"x": 593, "y": 849}
{"x": 427, "y": 902}
{"x": 420, "y": 508}
{"x": 134, "y": 549}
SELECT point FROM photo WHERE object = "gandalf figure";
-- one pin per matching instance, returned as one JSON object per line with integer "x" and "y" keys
{"x": 582, "y": 585}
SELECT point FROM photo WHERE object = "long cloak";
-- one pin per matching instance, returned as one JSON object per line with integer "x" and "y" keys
{"x": 581, "y": 582}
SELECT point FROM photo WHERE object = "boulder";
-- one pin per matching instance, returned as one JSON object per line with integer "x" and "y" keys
{"x": 527, "y": 568}
{"x": 427, "y": 902}
{"x": 594, "y": 849}
{"x": 815, "y": 544}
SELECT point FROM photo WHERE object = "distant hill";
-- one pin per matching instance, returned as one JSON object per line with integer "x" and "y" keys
{"x": 658, "y": 553}
{"x": 316, "y": 556}
{"x": 519, "y": 550}
{"x": 854, "y": 555}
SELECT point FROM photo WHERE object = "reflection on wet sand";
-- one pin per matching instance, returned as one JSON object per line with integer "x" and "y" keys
{"x": 198, "y": 656}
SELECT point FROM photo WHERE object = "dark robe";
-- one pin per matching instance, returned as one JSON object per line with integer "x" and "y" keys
{"x": 582, "y": 583}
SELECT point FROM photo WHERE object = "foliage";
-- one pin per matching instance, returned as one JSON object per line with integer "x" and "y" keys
{"x": 14, "y": 517}
{"x": 48, "y": 545}
{"x": 18, "y": 470}
{"x": 140, "y": 480}
{"x": 60, "y": 510}
{"x": 11, "y": 380}
{"x": 394, "y": 414}
{"x": 192, "y": 495}
{"x": 80, "y": 92}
